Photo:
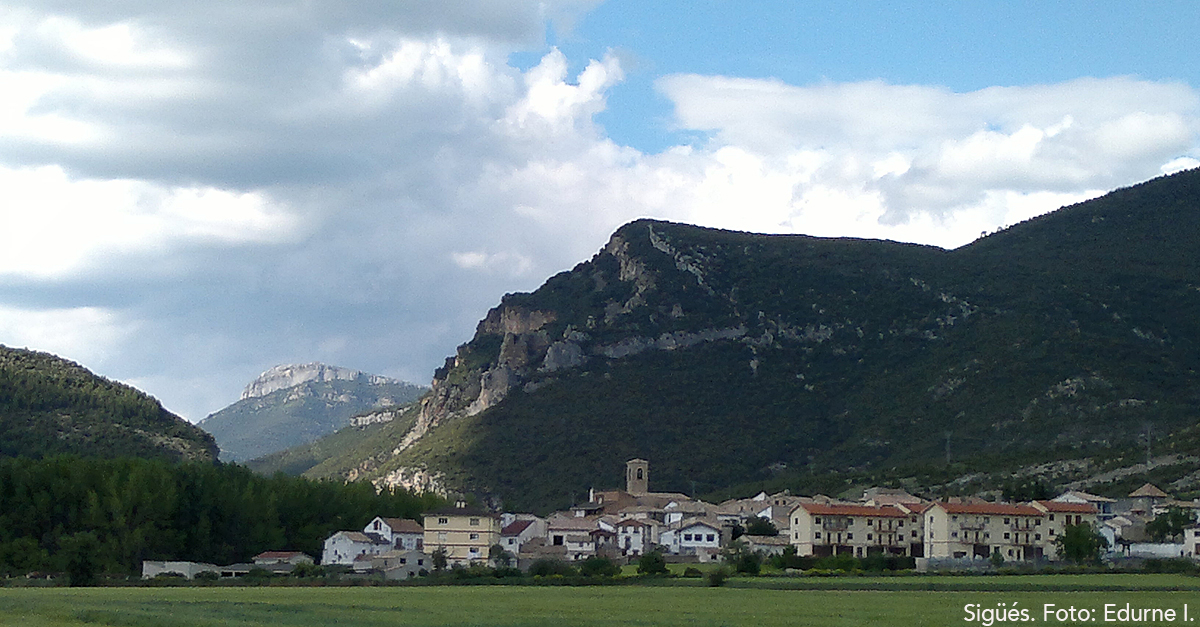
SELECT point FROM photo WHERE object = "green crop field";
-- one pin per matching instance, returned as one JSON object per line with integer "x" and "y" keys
{"x": 609, "y": 605}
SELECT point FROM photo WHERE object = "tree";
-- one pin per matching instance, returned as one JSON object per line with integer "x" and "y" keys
{"x": 1170, "y": 524}
{"x": 652, "y": 563}
{"x": 760, "y": 527}
{"x": 79, "y": 553}
{"x": 439, "y": 559}
{"x": 1081, "y": 544}
{"x": 499, "y": 557}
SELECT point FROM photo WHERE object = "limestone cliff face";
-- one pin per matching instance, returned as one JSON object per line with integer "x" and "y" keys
{"x": 523, "y": 344}
{"x": 291, "y": 375}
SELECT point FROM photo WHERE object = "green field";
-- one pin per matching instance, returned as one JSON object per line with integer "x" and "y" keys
{"x": 607, "y": 605}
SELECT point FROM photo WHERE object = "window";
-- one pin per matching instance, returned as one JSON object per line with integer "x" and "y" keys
{"x": 1006, "y": 521}
{"x": 710, "y": 537}
{"x": 474, "y": 549}
{"x": 953, "y": 534}
{"x": 1037, "y": 522}
{"x": 868, "y": 522}
{"x": 474, "y": 536}
{"x": 816, "y": 519}
{"x": 1051, "y": 531}
{"x": 1006, "y": 535}
{"x": 639, "y": 474}
{"x": 914, "y": 533}
{"x": 442, "y": 537}
{"x": 687, "y": 537}
{"x": 1051, "y": 517}
{"x": 850, "y": 536}
{"x": 443, "y": 521}
{"x": 1037, "y": 536}
{"x": 954, "y": 518}
{"x": 404, "y": 560}
{"x": 868, "y": 536}
{"x": 558, "y": 540}
{"x": 474, "y": 522}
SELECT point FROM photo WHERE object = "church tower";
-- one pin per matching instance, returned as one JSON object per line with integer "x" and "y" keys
{"x": 637, "y": 477}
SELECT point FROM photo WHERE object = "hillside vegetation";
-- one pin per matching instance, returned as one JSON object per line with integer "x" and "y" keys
{"x": 731, "y": 358}
{"x": 50, "y": 406}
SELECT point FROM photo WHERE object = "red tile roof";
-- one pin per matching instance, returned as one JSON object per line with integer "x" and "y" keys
{"x": 516, "y": 527}
{"x": 992, "y": 509}
{"x": 839, "y": 509}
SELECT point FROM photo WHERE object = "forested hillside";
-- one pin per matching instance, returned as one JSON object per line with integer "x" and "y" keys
{"x": 120, "y": 512}
{"x": 49, "y": 406}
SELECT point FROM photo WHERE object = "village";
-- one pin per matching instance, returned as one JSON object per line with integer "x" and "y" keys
{"x": 625, "y": 524}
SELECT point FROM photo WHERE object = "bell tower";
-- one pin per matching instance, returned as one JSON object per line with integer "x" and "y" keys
{"x": 637, "y": 477}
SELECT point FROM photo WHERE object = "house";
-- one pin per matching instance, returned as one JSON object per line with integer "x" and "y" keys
{"x": 401, "y": 564}
{"x": 464, "y": 534}
{"x": 515, "y": 534}
{"x": 636, "y": 536}
{"x": 189, "y": 570}
{"x": 573, "y": 534}
{"x": 766, "y": 545}
{"x": 344, "y": 546}
{"x": 824, "y": 529}
{"x": 693, "y": 537}
{"x": 977, "y": 530}
{"x": 402, "y": 533}
{"x": 1103, "y": 504}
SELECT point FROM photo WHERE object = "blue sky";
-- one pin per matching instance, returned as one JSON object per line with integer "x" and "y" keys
{"x": 964, "y": 46}
{"x": 196, "y": 191}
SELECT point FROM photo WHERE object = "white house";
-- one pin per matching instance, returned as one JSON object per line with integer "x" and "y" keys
{"x": 344, "y": 546}
{"x": 636, "y": 537}
{"x": 693, "y": 537}
{"x": 404, "y": 534}
{"x": 516, "y": 533}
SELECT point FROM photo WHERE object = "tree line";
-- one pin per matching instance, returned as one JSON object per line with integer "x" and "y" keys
{"x": 123, "y": 511}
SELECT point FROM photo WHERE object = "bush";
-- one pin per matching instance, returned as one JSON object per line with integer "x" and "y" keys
{"x": 652, "y": 563}
{"x": 547, "y": 567}
{"x": 716, "y": 578}
{"x": 596, "y": 566}
{"x": 207, "y": 575}
{"x": 748, "y": 562}
{"x": 692, "y": 571}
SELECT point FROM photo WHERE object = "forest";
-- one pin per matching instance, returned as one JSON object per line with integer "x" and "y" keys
{"x": 114, "y": 513}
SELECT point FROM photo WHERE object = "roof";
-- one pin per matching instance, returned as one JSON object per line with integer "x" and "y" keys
{"x": 358, "y": 536}
{"x": 1082, "y": 496}
{"x": 696, "y": 522}
{"x": 516, "y": 527}
{"x": 403, "y": 525}
{"x": 993, "y": 509}
{"x": 1149, "y": 490}
{"x": 278, "y": 555}
{"x": 461, "y": 511}
{"x": 1067, "y": 508}
{"x": 850, "y": 509}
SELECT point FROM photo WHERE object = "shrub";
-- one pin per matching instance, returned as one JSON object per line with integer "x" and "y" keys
{"x": 597, "y": 566}
{"x": 716, "y": 578}
{"x": 652, "y": 563}
{"x": 692, "y": 571}
{"x": 547, "y": 567}
{"x": 207, "y": 575}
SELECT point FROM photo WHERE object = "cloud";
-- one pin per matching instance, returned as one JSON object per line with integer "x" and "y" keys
{"x": 197, "y": 192}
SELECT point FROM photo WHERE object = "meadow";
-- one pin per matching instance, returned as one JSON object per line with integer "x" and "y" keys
{"x": 741, "y": 602}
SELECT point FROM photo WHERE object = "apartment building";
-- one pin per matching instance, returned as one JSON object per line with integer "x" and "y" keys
{"x": 824, "y": 529}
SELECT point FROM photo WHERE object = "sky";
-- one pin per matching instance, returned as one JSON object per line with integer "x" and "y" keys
{"x": 193, "y": 192}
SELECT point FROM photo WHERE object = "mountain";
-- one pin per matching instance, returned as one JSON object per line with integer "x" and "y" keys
{"x": 51, "y": 406}
{"x": 729, "y": 358}
{"x": 294, "y": 404}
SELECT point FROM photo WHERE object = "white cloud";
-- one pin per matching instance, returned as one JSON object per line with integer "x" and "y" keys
{"x": 249, "y": 183}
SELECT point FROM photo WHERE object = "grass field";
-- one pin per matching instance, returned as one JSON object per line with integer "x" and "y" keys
{"x": 586, "y": 606}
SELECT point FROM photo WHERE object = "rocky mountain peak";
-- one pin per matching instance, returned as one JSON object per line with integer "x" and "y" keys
{"x": 290, "y": 375}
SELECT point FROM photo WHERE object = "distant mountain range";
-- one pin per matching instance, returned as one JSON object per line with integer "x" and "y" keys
{"x": 291, "y": 405}
{"x": 51, "y": 406}
{"x": 730, "y": 358}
